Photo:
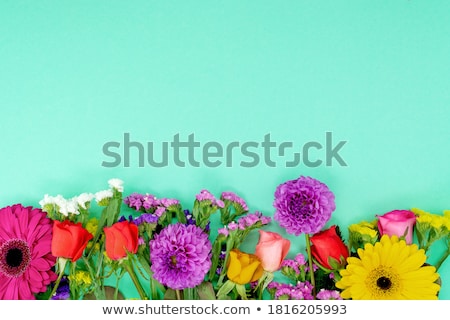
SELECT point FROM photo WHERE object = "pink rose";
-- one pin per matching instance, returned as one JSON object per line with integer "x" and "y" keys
{"x": 271, "y": 250}
{"x": 399, "y": 223}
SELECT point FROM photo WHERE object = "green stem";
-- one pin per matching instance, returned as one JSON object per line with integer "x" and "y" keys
{"x": 153, "y": 289}
{"x": 62, "y": 267}
{"x": 179, "y": 294}
{"x": 311, "y": 269}
{"x": 134, "y": 278}
{"x": 442, "y": 259}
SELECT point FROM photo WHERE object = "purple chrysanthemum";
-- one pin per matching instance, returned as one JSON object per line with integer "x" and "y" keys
{"x": 180, "y": 256}
{"x": 303, "y": 205}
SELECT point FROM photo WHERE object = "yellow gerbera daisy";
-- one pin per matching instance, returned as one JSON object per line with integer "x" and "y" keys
{"x": 389, "y": 270}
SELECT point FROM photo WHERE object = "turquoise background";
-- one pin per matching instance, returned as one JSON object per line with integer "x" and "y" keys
{"x": 77, "y": 74}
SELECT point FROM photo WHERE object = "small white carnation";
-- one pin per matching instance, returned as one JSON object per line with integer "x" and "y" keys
{"x": 48, "y": 200}
{"x": 104, "y": 194}
{"x": 116, "y": 184}
{"x": 67, "y": 206}
{"x": 84, "y": 198}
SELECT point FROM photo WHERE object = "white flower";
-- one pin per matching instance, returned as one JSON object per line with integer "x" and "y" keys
{"x": 104, "y": 194}
{"x": 84, "y": 198}
{"x": 67, "y": 206}
{"x": 116, "y": 184}
{"x": 47, "y": 200}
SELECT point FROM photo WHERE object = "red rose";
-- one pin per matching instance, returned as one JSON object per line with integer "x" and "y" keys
{"x": 69, "y": 239}
{"x": 121, "y": 237}
{"x": 328, "y": 244}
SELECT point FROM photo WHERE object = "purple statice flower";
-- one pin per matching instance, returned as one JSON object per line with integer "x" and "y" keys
{"x": 123, "y": 218}
{"x": 303, "y": 205}
{"x": 180, "y": 256}
{"x": 300, "y": 259}
{"x": 63, "y": 291}
{"x": 166, "y": 202}
{"x": 189, "y": 217}
{"x": 146, "y": 218}
{"x": 205, "y": 195}
{"x": 141, "y": 241}
{"x": 231, "y": 196}
{"x": 247, "y": 221}
{"x": 324, "y": 294}
{"x": 252, "y": 219}
{"x": 301, "y": 291}
{"x": 160, "y": 211}
{"x": 134, "y": 200}
{"x": 232, "y": 226}
{"x": 315, "y": 267}
{"x": 223, "y": 231}
{"x": 291, "y": 264}
{"x": 222, "y": 254}
{"x": 265, "y": 220}
{"x": 150, "y": 201}
{"x": 219, "y": 203}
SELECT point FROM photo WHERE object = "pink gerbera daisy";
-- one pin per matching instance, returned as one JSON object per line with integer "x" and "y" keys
{"x": 25, "y": 252}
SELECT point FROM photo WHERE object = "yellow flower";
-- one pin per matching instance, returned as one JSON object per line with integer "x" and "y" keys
{"x": 389, "y": 270}
{"x": 447, "y": 219}
{"x": 81, "y": 278}
{"x": 244, "y": 267}
{"x": 362, "y": 233}
{"x": 423, "y": 217}
{"x": 92, "y": 226}
{"x": 364, "y": 228}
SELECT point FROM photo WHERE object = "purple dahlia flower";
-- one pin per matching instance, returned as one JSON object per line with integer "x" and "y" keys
{"x": 303, "y": 205}
{"x": 180, "y": 256}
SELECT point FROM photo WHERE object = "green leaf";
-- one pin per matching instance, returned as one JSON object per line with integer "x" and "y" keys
{"x": 225, "y": 289}
{"x": 206, "y": 291}
{"x": 170, "y": 295}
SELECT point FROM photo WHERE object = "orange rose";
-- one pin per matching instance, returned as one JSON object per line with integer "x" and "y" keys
{"x": 243, "y": 267}
{"x": 121, "y": 237}
{"x": 271, "y": 249}
{"x": 69, "y": 239}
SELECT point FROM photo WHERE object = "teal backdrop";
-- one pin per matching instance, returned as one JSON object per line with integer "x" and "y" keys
{"x": 75, "y": 75}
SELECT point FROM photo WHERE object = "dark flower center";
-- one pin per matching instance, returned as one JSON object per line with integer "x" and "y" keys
{"x": 173, "y": 260}
{"x": 384, "y": 283}
{"x": 15, "y": 257}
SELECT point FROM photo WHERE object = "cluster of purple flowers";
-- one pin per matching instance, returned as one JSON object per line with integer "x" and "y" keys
{"x": 246, "y": 222}
{"x": 63, "y": 291}
{"x": 300, "y": 291}
{"x": 231, "y": 196}
{"x": 149, "y": 203}
{"x": 287, "y": 291}
{"x": 205, "y": 195}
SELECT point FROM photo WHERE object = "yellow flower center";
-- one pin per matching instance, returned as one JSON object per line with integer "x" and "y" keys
{"x": 383, "y": 282}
